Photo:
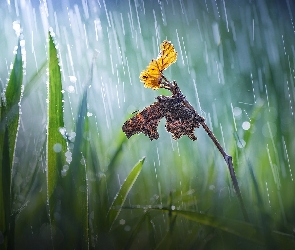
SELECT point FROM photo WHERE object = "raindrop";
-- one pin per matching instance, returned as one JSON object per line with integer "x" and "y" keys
{"x": 241, "y": 143}
{"x": 51, "y": 32}
{"x": 63, "y": 173}
{"x": 72, "y": 136}
{"x": 57, "y": 147}
{"x": 62, "y": 131}
{"x": 232, "y": 110}
{"x": 252, "y": 81}
{"x": 190, "y": 192}
{"x": 237, "y": 111}
{"x": 71, "y": 146}
{"x": 290, "y": 100}
{"x": 222, "y": 136}
{"x": 216, "y": 33}
{"x": 158, "y": 156}
{"x": 83, "y": 162}
{"x": 267, "y": 194}
{"x": 287, "y": 156}
{"x": 179, "y": 47}
{"x": 98, "y": 29}
{"x": 73, "y": 79}
{"x": 211, "y": 187}
{"x": 89, "y": 114}
{"x": 246, "y": 125}
{"x": 17, "y": 28}
{"x": 71, "y": 88}
{"x": 172, "y": 207}
{"x": 266, "y": 92}
{"x": 127, "y": 228}
{"x": 68, "y": 155}
{"x": 122, "y": 222}
{"x": 269, "y": 130}
{"x": 274, "y": 169}
{"x": 66, "y": 167}
{"x": 225, "y": 16}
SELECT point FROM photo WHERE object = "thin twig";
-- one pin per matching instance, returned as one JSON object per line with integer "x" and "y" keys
{"x": 175, "y": 90}
{"x": 228, "y": 160}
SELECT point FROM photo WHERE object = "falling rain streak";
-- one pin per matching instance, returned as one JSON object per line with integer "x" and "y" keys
{"x": 236, "y": 66}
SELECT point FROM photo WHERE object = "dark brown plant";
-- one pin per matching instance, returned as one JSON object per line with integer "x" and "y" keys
{"x": 181, "y": 117}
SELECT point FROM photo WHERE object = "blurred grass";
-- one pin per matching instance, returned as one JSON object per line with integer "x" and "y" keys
{"x": 231, "y": 58}
{"x": 120, "y": 197}
{"x": 9, "y": 124}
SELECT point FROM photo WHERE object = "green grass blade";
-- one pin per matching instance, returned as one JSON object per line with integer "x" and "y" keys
{"x": 13, "y": 96}
{"x": 136, "y": 230}
{"x": 245, "y": 230}
{"x": 5, "y": 192}
{"x": 167, "y": 241}
{"x": 238, "y": 228}
{"x": 9, "y": 123}
{"x": 120, "y": 198}
{"x": 56, "y": 145}
{"x": 249, "y": 133}
{"x": 77, "y": 196}
{"x": 122, "y": 140}
{"x": 35, "y": 79}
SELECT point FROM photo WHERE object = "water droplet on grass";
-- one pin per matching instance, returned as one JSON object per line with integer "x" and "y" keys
{"x": 71, "y": 88}
{"x": 127, "y": 228}
{"x": 246, "y": 125}
{"x": 17, "y": 28}
{"x": 241, "y": 143}
{"x": 237, "y": 111}
{"x": 57, "y": 147}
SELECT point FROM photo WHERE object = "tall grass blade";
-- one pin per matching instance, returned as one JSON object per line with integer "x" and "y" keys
{"x": 120, "y": 198}
{"x": 238, "y": 228}
{"x": 167, "y": 241}
{"x": 8, "y": 134}
{"x": 35, "y": 79}
{"x": 121, "y": 141}
{"x": 13, "y": 96}
{"x": 77, "y": 196}
{"x": 56, "y": 145}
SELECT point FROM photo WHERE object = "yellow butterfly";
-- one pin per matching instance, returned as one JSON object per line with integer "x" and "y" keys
{"x": 151, "y": 76}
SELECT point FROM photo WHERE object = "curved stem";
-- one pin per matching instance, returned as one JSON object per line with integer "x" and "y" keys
{"x": 228, "y": 160}
{"x": 175, "y": 90}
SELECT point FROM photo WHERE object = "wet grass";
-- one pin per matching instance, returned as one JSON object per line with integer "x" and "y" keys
{"x": 90, "y": 187}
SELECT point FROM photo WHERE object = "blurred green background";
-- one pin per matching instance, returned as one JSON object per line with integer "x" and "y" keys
{"x": 235, "y": 64}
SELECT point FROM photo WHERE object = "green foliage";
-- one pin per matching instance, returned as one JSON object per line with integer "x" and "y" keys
{"x": 9, "y": 122}
{"x": 68, "y": 189}
{"x": 123, "y": 192}
{"x": 77, "y": 189}
{"x": 56, "y": 145}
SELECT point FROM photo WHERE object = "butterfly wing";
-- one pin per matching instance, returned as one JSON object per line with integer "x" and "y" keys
{"x": 146, "y": 122}
{"x": 168, "y": 55}
{"x": 180, "y": 119}
{"x": 151, "y": 76}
